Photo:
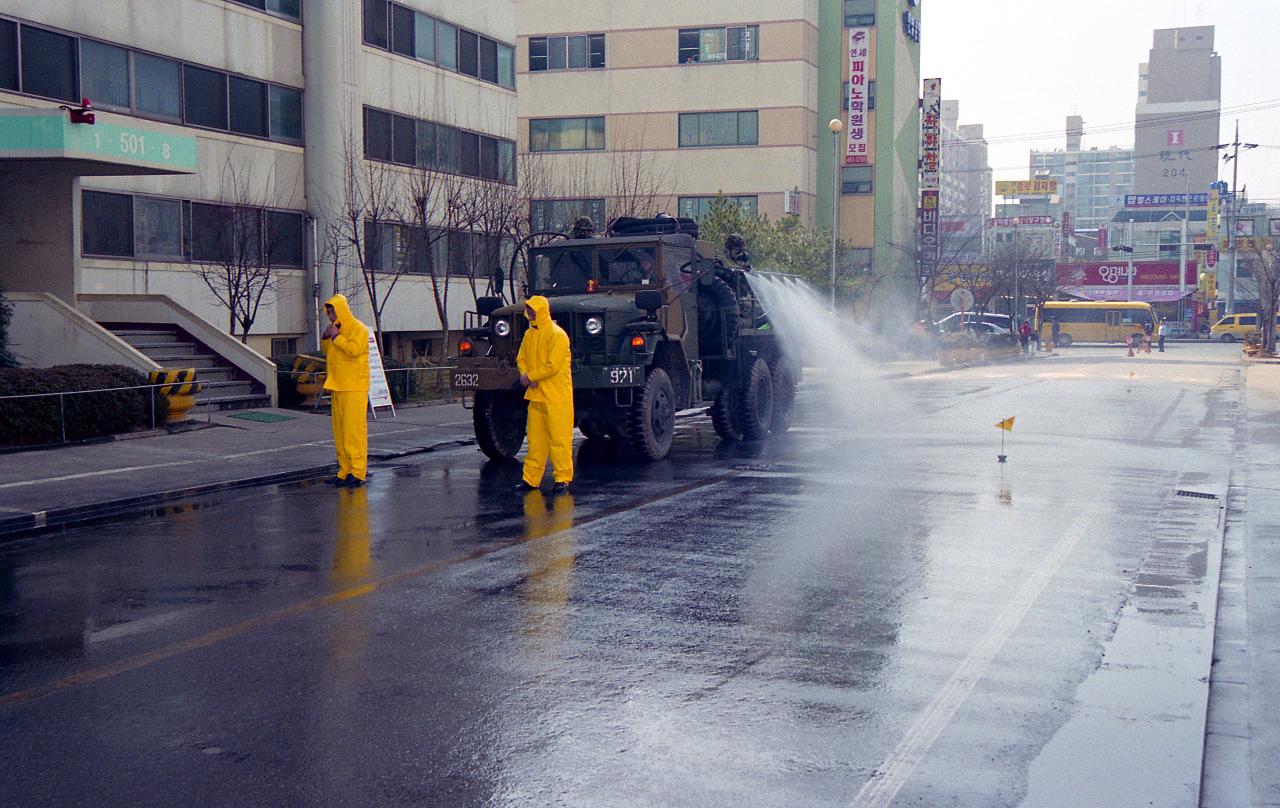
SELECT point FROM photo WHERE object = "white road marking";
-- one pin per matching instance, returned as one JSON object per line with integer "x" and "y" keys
{"x": 102, "y": 473}
{"x": 892, "y": 774}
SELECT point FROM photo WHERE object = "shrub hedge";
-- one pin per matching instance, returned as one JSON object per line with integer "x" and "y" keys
{"x": 35, "y": 421}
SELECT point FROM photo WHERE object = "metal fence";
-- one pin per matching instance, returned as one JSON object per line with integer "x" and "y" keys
{"x": 62, "y": 399}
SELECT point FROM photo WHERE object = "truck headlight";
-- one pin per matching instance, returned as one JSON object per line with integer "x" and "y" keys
{"x": 594, "y": 326}
{"x": 502, "y": 328}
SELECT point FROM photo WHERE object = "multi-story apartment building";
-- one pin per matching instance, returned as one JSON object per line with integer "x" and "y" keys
{"x": 724, "y": 98}
{"x": 1092, "y": 182}
{"x": 1177, "y": 116}
{"x": 242, "y": 126}
{"x": 966, "y": 186}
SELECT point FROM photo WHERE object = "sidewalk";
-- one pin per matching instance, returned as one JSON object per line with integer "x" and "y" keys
{"x": 69, "y": 484}
{"x": 64, "y": 485}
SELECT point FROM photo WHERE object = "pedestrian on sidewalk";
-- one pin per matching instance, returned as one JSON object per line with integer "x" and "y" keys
{"x": 1161, "y": 331}
{"x": 346, "y": 350}
{"x": 545, "y": 373}
{"x": 1024, "y": 335}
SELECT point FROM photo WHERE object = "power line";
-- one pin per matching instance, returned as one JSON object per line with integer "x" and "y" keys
{"x": 1110, "y": 128}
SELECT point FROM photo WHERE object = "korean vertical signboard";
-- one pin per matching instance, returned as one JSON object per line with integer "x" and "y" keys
{"x": 930, "y": 178}
{"x": 931, "y": 136}
{"x": 856, "y": 146}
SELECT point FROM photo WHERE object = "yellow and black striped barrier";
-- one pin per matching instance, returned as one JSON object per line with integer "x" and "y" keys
{"x": 309, "y": 373}
{"x": 180, "y": 387}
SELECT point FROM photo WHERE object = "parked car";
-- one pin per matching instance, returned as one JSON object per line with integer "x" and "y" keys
{"x": 965, "y": 320}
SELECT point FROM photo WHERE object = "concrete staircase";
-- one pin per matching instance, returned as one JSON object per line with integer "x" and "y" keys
{"x": 225, "y": 387}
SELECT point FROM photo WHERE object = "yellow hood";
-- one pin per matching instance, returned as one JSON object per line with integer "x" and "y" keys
{"x": 541, "y": 309}
{"x": 343, "y": 308}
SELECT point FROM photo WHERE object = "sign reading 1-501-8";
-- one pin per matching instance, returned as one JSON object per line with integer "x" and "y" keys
{"x": 119, "y": 142}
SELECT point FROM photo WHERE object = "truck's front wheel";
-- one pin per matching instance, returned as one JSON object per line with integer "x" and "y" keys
{"x": 500, "y": 419}
{"x": 651, "y": 423}
{"x": 755, "y": 402}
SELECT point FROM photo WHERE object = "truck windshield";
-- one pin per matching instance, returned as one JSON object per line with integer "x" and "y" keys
{"x": 569, "y": 270}
{"x": 566, "y": 270}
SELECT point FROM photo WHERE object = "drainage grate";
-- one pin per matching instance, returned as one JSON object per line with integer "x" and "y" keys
{"x": 1194, "y": 494}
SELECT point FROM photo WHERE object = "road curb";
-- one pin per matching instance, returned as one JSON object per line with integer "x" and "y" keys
{"x": 24, "y": 524}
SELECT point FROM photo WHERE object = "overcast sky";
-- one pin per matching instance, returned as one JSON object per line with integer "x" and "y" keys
{"x": 1021, "y": 66}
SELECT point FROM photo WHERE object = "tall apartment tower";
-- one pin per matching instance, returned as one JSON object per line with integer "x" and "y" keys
{"x": 1177, "y": 116}
{"x": 725, "y": 98}
{"x": 1089, "y": 180}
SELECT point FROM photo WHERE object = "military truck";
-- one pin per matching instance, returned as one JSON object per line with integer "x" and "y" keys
{"x": 657, "y": 323}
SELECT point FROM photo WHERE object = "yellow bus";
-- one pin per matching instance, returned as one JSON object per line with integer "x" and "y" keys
{"x": 1094, "y": 321}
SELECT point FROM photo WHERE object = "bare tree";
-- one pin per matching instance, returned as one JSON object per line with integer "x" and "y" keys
{"x": 1264, "y": 257}
{"x": 238, "y": 247}
{"x": 639, "y": 183}
{"x": 369, "y": 230}
{"x": 1022, "y": 268}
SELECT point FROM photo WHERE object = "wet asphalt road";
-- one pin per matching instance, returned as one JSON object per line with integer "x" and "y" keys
{"x": 867, "y": 610}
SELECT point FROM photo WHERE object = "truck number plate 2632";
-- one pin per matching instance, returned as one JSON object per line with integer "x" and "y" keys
{"x": 623, "y": 376}
{"x": 466, "y": 380}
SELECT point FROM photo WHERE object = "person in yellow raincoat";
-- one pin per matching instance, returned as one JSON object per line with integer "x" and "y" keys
{"x": 545, "y": 372}
{"x": 346, "y": 350}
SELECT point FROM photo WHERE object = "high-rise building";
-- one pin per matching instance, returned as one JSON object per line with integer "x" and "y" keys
{"x": 1178, "y": 110}
{"x": 242, "y": 117}
{"x": 966, "y": 186}
{"x": 1092, "y": 182}
{"x": 695, "y": 100}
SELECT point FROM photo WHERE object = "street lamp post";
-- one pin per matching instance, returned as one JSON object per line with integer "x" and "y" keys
{"x": 836, "y": 126}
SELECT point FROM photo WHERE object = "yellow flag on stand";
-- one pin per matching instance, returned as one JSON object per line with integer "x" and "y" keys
{"x": 1006, "y": 424}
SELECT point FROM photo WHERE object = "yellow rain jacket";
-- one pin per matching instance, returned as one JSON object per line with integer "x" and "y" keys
{"x": 545, "y": 358}
{"x": 347, "y": 355}
{"x": 347, "y": 359}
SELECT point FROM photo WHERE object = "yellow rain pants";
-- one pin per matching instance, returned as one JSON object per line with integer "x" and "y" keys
{"x": 545, "y": 358}
{"x": 351, "y": 433}
{"x": 347, "y": 379}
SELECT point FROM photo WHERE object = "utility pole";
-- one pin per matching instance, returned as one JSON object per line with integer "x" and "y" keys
{"x": 1234, "y": 158}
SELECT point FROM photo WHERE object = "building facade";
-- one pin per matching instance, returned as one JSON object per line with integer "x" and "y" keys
{"x": 1092, "y": 182}
{"x": 724, "y": 98}
{"x": 289, "y": 108}
{"x": 1178, "y": 111}
{"x": 966, "y": 186}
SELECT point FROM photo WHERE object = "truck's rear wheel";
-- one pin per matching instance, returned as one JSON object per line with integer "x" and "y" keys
{"x": 500, "y": 419}
{"x": 651, "y": 423}
{"x": 723, "y": 418}
{"x": 784, "y": 395}
{"x": 754, "y": 402}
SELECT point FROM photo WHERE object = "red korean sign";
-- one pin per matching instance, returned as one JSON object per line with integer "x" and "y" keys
{"x": 1116, "y": 273}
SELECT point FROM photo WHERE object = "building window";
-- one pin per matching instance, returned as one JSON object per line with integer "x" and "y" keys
{"x": 399, "y": 29}
{"x": 719, "y": 129}
{"x": 856, "y": 179}
{"x": 49, "y": 64}
{"x": 157, "y": 228}
{"x": 283, "y": 238}
{"x": 104, "y": 74}
{"x": 205, "y": 93}
{"x": 558, "y": 215}
{"x": 732, "y": 44}
{"x": 107, "y": 224}
{"x": 871, "y": 96}
{"x": 8, "y": 55}
{"x": 566, "y": 134}
{"x": 157, "y": 87}
{"x": 377, "y": 135}
{"x": 859, "y": 12}
{"x": 286, "y": 113}
{"x": 695, "y": 207}
{"x": 584, "y": 51}
{"x": 408, "y": 141}
{"x": 284, "y": 346}
{"x": 468, "y": 54}
{"x": 289, "y": 9}
{"x": 377, "y": 23}
{"x": 248, "y": 106}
